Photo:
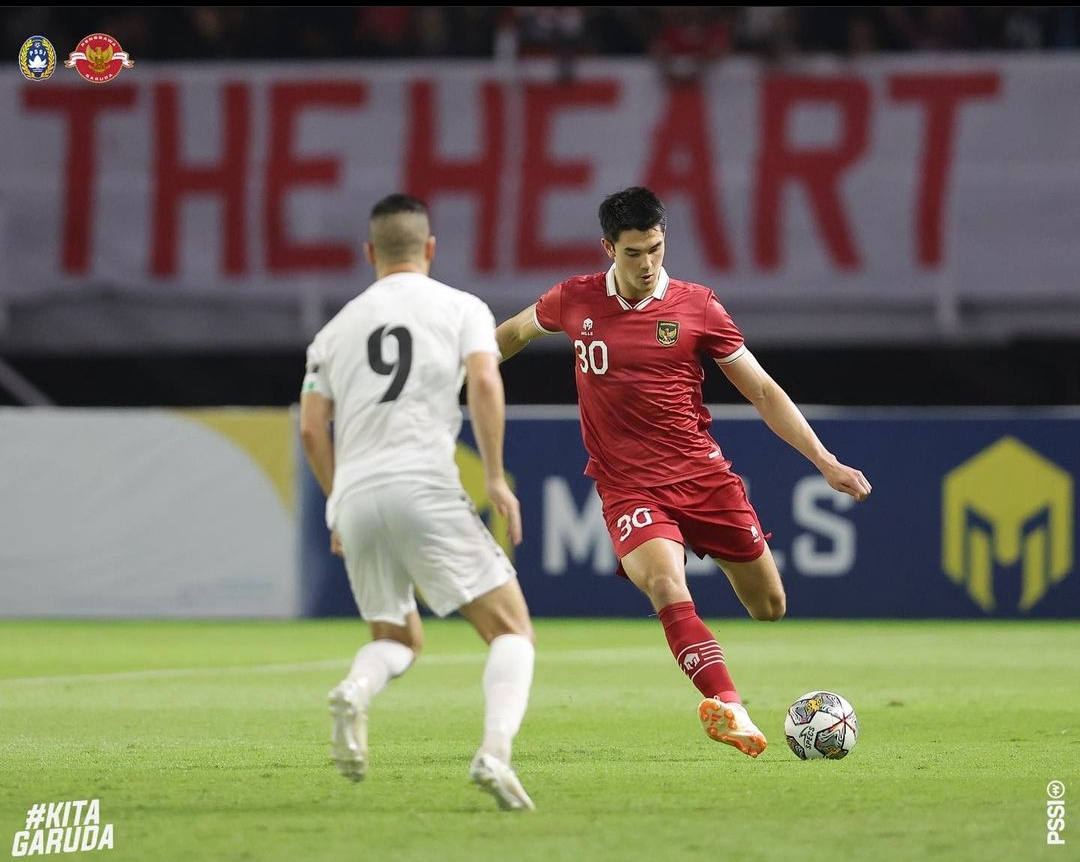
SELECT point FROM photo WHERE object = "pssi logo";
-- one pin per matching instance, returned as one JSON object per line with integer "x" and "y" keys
{"x": 37, "y": 59}
{"x": 1007, "y": 505}
{"x": 471, "y": 469}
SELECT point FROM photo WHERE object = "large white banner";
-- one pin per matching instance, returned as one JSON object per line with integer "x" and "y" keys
{"x": 147, "y": 513}
{"x": 907, "y": 199}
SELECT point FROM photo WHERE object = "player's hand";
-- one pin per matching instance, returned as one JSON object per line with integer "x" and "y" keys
{"x": 507, "y": 505}
{"x": 335, "y": 544}
{"x": 848, "y": 480}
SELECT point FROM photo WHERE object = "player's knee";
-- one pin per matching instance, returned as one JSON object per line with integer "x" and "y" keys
{"x": 770, "y": 609}
{"x": 665, "y": 589}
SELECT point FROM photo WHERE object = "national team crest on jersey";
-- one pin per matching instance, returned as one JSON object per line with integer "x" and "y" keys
{"x": 667, "y": 332}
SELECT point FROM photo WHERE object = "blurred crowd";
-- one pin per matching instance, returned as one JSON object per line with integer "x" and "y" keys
{"x": 682, "y": 38}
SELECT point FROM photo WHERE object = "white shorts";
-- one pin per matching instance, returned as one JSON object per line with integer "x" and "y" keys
{"x": 407, "y": 537}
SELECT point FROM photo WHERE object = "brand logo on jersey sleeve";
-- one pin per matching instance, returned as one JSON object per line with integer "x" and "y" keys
{"x": 667, "y": 332}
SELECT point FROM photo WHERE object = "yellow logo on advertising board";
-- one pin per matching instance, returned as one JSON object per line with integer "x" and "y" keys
{"x": 1007, "y": 505}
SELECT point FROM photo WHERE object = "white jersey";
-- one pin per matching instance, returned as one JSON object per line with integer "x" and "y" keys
{"x": 392, "y": 361}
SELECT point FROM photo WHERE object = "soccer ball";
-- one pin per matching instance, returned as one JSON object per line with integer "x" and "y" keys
{"x": 821, "y": 724}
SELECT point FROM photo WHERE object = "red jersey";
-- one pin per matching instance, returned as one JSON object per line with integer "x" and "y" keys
{"x": 639, "y": 374}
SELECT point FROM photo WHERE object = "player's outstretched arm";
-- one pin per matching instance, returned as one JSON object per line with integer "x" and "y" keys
{"x": 788, "y": 423}
{"x": 516, "y": 332}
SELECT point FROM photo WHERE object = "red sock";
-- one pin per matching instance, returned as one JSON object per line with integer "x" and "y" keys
{"x": 697, "y": 652}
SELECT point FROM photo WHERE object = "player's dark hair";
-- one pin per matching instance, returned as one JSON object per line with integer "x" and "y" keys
{"x": 398, "y": 229}
{"x": 398, "y": 203}
{"x": 635, "y": 208}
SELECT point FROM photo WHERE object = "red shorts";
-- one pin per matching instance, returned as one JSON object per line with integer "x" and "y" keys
{"x": 710, "y": 514}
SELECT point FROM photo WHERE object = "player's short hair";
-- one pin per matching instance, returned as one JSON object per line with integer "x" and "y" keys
{"x": 398, "y": 203}
{"x": 399, "y": 228}
{"x": 634, "y": 208}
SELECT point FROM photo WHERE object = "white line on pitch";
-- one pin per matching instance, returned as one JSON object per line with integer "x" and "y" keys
{"x": 637, "y": 654}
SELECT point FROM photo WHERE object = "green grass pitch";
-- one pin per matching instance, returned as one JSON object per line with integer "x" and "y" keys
{"x": 208, "y": 740}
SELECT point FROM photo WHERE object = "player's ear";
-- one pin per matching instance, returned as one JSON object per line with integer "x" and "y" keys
{"x": 369, "y": 253}
{"x": 429, "y": 249}
{"x": 609, "y": 249}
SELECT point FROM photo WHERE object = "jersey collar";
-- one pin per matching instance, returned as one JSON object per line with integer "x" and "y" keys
{"x": 658, "y": 291}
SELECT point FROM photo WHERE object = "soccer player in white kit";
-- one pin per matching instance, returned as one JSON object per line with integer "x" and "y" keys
{"x": 379, "y": 421}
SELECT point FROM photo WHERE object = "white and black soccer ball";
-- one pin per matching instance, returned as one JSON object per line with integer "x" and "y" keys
{"x": 821, "y": 725}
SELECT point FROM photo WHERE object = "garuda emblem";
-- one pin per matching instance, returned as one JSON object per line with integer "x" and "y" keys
{"x": 667, "y": 332}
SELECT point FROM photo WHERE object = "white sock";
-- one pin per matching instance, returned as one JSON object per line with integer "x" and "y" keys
{"x": 507, "y": 681}
{"x": 378, "y": 662}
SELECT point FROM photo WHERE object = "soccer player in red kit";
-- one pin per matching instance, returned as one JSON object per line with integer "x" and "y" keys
{"x": 639, "y": 339}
